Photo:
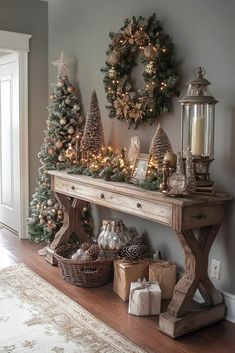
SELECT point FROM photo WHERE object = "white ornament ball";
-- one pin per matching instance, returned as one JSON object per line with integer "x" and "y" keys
{"x": 42, "y": 221}
{"x": 59, "y": 144}
{"x": 61, "y": 158}
{"x": 76, "y": 107}
{"x": 49, "y": 202}
{"x": 67, "y": 101}
{"x": 63, "y": 121}
{"x": 70, "y": 130}
{"x": 60, "y": 83}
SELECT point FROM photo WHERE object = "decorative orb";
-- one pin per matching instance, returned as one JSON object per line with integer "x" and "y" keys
{"x": 50, "y": 150}
{"x": 150, "y": 52}
{"x": 39, "y": 155}
{"x": 150, "y": 68}
{"x": 67, "y": 101}
{"x": 52, "y": 96}
{"x": 64, "y": 78}
{"x": 63, "y": 121}
{"x": 112, "y": 73}
{"x": 59, "y": 144}
{"x": 70, "y": 89}
{"x": 50, "y": 202}
{"x": 171, "y": 158}
{"x": 59, "y": 212}
{"x": 61, "y": 158}
{"x": 113, "y": 58}
{"x": 39, "y": 205}
{"x": 60, "y": 83}
{"x": 70, "y": 130}
{"x": 42, "y": 221}
{"x": 81, "y": 119}
{"x": 76, "y": 107}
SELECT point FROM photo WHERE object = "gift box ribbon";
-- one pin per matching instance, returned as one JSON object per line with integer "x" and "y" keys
{"x": 144, "y": 285}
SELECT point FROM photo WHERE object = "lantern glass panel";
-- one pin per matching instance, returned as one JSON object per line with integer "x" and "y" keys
{"x": 198, "y": 128}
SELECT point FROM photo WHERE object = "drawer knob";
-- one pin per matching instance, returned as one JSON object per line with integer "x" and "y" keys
{"x": 138, "y": 205}
{"x": 102, "y": 196}
{"x": 72, "y": 187}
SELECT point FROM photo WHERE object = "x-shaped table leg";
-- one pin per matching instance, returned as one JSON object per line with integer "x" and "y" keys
{"x": 196, "y": 274}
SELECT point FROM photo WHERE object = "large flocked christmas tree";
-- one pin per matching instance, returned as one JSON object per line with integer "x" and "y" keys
{"x": 63, "y": 123}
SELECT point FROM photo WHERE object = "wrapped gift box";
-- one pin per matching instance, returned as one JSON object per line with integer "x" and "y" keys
{"x": 145, "y": 298}
{"x": 127, "y": 272}
{"x": 164, "y": 272}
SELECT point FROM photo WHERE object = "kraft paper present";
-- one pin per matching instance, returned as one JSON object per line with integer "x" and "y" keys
{"x": 127, "y": 272}
{"x": 164, "y": 272}
{"x": 145, "y": 298}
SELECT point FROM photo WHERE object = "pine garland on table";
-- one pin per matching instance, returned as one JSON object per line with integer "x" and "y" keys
{"x": 63, "y": 122}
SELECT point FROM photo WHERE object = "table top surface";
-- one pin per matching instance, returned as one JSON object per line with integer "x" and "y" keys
{"x": 131, "y": 190}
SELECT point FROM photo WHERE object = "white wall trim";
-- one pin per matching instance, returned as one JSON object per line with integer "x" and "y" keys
{"x": 19, "y": 43}
{"x": 14, "y": 41}
{"x": 229, "y": 300}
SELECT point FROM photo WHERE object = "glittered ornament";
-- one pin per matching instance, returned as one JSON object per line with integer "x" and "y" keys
{"x": 150, "y": 68}
{"x": 112, "y": 73}
{"x": 59, "y": 144}
{"x": 70, "y": 130}
{"x": 150, "y": 52}
{"x": 63, "y": 121}
{"x": 67, "y": 101}
{"x": 113, "y": 58}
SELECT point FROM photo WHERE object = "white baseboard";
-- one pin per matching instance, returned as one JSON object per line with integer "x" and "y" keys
{"x": 229, "y": 300}
{"x": 230, "y": 305}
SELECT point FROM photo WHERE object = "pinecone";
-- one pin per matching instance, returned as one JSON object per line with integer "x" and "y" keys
{"x": 159, "y": 146}
{"x": 134, "y": 252}
{"x": 85, "y": 246}
{"x": 93, "y": 251}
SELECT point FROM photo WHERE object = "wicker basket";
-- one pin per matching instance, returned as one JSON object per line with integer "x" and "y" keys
{"x": 83, "y": 273}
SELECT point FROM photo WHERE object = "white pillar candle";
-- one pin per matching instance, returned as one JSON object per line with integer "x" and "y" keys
{"x": 197, "y": 142}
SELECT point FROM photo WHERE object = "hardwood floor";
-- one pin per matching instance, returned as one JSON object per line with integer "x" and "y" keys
{"x": 108, "y": 307}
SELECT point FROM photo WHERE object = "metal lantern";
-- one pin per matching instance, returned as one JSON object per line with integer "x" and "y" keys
{"x": 198, "y": 124}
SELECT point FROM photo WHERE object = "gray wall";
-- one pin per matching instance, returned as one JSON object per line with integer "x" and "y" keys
{"x": 31, "y": 17}
{"x": 204, "y": 33}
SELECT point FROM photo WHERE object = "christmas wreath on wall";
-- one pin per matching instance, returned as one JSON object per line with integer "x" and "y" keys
{"x": 140, "y": 39}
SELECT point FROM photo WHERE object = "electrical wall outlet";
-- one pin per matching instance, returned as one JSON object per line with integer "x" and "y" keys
{"x": 215, "y": 269}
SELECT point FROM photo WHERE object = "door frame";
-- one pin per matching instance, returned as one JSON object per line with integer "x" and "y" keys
{"x": 19, "y": 43}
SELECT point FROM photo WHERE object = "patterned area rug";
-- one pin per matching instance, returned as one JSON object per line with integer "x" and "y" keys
{"x": 36, "y": 317}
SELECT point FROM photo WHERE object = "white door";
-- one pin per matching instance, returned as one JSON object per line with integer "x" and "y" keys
{"x": 9, "y": 143}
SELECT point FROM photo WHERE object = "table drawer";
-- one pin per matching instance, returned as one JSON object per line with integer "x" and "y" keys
{"x": 159, "y": 212}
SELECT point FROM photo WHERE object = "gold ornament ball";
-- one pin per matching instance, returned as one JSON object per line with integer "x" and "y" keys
{"x": 59, "y": 144}
{"x": 67, "y": 101}
{"x": 50, "y": 150}
{"x": 112, "y": 73}
{"x": 170, "y": 158}
{"x": 63, "y": 121}
{"x": 113, "y": 58}
{"x": 81, "y": 119}
{"x": 59, "y": 212}
{"x": 70, "y": 130}
{"x": 60, "y": 83}
{"x": 150, "y": 51}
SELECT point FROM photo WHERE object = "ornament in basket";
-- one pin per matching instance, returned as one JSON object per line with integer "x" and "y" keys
{"x": 84, "y": 266}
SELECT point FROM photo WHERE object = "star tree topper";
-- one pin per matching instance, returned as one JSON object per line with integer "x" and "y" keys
{"x": 62, "y": 64}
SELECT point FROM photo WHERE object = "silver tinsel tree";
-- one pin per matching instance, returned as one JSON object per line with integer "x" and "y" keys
{"x": 63, "y": 122}
{"x": 159, "y": 146}
{"x": 93, "y": 137}
{"x": 191, "y": 181}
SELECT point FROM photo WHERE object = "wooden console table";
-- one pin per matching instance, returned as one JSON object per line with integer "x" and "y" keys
{"x": 202, "y": 212}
